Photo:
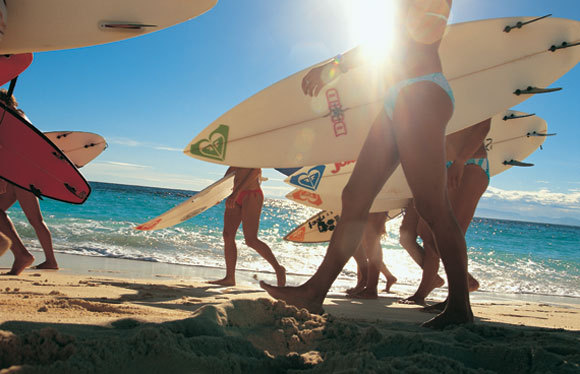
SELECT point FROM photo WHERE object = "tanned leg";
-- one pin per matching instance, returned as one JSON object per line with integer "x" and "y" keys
{"x": 22, "y": 258}
{"x": 31, "y": 208}
{"x": 232, "y": 220}
{"x": 251, "y": 210}
{"x": 421, "y": 145}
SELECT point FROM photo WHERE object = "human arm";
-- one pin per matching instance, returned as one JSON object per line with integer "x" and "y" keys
{"x": 463, "y": 146}
{"x": 325, "y": 72}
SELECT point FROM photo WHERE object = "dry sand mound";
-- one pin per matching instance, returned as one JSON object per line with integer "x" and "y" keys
{"x": 263, "y": 336}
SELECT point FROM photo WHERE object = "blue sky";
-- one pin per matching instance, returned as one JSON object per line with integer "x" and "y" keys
{"x": 149, "y": 96}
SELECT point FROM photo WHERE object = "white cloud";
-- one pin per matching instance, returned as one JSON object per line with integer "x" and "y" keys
{"x": 135, "y": 143}
{"x": 121, "y": 164}
{"x": 544, "y": 197}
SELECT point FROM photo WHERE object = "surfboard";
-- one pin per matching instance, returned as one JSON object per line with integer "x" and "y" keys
{"x": 80, "y": 147}
{"x": 281, "y": 127}
{"x": 319, "y": 227}
{"x": 513, "y": 136}
{"x": 12, "y": 66}
{"x": 31, "y": 161}
{"x": 40, "y": 25}
{"x": 199, "y": 203}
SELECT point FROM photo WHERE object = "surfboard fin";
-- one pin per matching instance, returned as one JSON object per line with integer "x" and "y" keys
{"x": 539, "y": 134}
{"x": 58, "y": 155}
{"x": 35, "y": 191}
{"x": 520, "y": 24}
{"x": 124, "y": 26}
{"x": 535, "y": 90}
{"x": 564, "y": 45}
{"x": 517, "y": 163}
{"x": 513, "y": 116}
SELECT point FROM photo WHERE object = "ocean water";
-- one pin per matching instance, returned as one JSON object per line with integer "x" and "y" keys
{"x": 507, "y": 257}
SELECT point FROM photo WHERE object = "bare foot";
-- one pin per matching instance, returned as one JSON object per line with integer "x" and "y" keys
{"x": 281, "y": 276}
{"x": 435, "y": 308}
{"x": 413, "y": 300}
{"x": 356, "y": 289}
{"x": 21, "y": 263}
{"x": 47, "y": 265}
{"x": 390, "y": 281}
{"x": 364, "y": 294}
{"x": 450, "y": 317}
{"x": 224, "y": 282}
{"x": 472, "y": 283}
{"x": 300, "y": 297}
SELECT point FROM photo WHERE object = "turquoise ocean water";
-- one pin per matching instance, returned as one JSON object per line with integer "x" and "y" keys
{"x": 507, "y": 257}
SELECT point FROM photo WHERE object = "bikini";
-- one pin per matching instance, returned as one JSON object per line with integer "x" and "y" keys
{"x": 243, "y": 194}
{"x": 437, "y": 78}
{"x": 483, "y": 163}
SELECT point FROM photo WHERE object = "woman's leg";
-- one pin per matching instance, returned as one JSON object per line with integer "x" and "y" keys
{"x": 22, "y": 258}
{"x": 31, "y": 208}
{"x": 429, "y": 279}
{"x": 251, "y": 210}
{"x": 421, "y": 146}
{"x": 232, "y": 220}
{"x": 362, "y": 267}
{"x": 376, "y": 162}
{"x": 408, "y": 235}
{"x": 464, "y": 201}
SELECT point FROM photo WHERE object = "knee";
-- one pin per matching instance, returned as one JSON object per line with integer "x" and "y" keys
{"x": 352, "y": 201}
{"x": 252, "y": 242}
{"x": 229, "y": 235}
{"x": 431, "y": 210}
{"x": 407, "y": 238}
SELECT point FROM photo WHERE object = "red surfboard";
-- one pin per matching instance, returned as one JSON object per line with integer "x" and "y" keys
{"x": 31, "y": 161}
{"x": 12, "y": 65}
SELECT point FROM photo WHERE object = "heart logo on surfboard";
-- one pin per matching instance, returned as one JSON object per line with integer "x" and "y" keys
{"x": 310, "y": 179}
{"x": 213, "y": 147}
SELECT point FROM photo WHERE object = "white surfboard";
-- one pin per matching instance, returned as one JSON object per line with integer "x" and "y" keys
{"x": 489, "y": 71}
{"x": 513, "y": 136}
{"x": 80, "y": 147}
{"x": 199, "y": 203}
{"x": 46, "y": 25}
{"x": 319, "y": 228}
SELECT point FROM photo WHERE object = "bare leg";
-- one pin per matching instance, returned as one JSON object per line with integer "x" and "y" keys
{"x": 429, "y": 279}
{"x": 5, "y": 244}
{"x": 421, "y": 145}
{"x": 22, "y": 258}
{"x": 362, "y": 270}
{"x": 232, "y": 220}
{"x": 31, "y": 208}
{"x": 464, "y": 201}
{"x": 376, "y": 162}
{"x": 251, "y": 211}
{"x": 408, "y": 235}
{"x": 391, "y": 279}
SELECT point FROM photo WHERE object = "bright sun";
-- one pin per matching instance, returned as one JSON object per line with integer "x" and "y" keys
{"x": 372, "y": 26}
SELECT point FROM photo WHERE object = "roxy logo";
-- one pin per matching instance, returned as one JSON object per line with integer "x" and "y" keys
{"x": 336, "y": 112}
{"x": 339, "y": 165}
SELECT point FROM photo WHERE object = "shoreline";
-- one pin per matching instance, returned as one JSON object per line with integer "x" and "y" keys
{"x": 74, "y": 264}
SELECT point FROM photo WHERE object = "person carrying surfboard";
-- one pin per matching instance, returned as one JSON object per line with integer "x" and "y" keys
{"x": 411, "y": 130}
{"x": 467, "y": 180}
{"x": 31, "y": 208}
{"x": 244, "y": 205}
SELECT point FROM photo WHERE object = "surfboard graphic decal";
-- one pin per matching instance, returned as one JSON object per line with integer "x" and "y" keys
{"x": 336, "y": 112}
{"x": 309, "y": 179}
{"x": 310, "y": 197}
{"x": 215, "y": 146}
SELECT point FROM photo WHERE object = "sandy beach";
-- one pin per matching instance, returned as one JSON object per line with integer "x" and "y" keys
{"x": 87, "y": 319}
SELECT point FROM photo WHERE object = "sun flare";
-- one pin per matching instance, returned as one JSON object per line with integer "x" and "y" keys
{"x": 372, "y": 26}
